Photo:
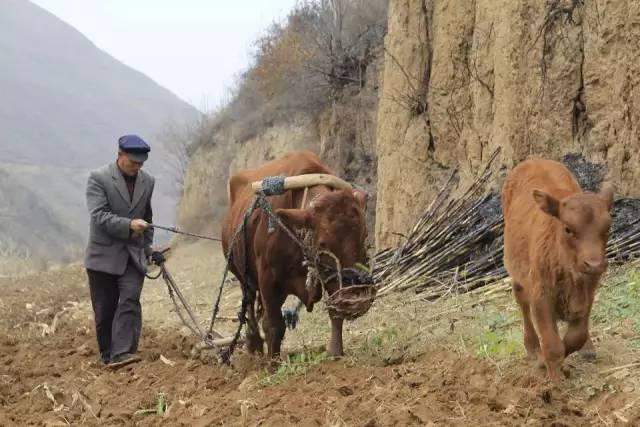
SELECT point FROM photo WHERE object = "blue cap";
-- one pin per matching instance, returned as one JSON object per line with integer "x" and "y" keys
{"x": 135, "y": 147}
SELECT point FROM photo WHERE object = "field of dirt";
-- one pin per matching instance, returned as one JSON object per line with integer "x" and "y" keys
{"x": 409, "y": 362}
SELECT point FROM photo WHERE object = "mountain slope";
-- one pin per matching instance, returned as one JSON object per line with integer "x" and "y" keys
{"x": 64, "y": 100}
{"x": 64, "y": 104}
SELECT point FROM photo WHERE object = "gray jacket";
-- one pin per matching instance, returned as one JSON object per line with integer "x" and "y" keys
{"x": 111, "y": 242}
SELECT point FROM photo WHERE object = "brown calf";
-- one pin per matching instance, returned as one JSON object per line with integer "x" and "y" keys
{"x": 335, "y": 219}
{"x": 555, "y": 236}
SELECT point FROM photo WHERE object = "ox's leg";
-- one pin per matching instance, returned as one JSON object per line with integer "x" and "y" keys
{"x": 273, "y": 323}
{"x": 255, "y": 342}
{"x": 576, "y": 336}
{"x": 551, "y": 346}
{"x": 531, "y": 342}
{"x": 335, "y": 344}
{"x": 272, "y": 299}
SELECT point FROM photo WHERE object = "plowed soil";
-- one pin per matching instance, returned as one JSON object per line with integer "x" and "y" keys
{"x": 52, "y": 377}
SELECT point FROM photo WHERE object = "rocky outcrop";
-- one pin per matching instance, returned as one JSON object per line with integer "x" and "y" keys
{"x": 534, "y": 78}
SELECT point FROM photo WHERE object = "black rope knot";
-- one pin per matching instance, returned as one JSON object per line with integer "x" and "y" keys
{"x": 354, "y": 276}
{"x": 290, "y": 316}
{"x": 273, "y": 185}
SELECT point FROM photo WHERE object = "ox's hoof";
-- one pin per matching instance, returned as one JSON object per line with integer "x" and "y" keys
{"x": 273, "y": 363}
{"x": 335, "y": 354}
{"x": 254, "y": 344}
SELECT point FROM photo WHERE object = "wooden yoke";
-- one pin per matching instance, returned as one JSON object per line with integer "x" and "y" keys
{"x": 308, "y": 180}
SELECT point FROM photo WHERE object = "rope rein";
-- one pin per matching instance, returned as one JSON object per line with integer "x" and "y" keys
{"x": 176, "y": 231}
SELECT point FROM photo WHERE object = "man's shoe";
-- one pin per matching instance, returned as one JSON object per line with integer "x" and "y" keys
{"x": 122, "y": 360}
{"x": 104, "y": 360}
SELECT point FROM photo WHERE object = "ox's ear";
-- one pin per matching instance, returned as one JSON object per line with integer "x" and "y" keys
{"x": 300, "y": 218}
{"x": 606, "y": 193}
{"x": 361, "y": 197}
{"x": 547, "y": 202}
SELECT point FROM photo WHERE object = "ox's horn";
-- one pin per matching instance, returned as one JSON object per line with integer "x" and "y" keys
{"x": 309, "y": 180}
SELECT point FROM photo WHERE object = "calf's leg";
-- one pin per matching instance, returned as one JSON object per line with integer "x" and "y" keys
{"x": 588, "y": 350}
{"x": 551, "y": 346}
{"x": 531, "y": 342}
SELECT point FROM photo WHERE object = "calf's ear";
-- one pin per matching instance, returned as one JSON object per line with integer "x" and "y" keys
{"x": 299, "y": 218}
{"x": 547, "y": 202}
{"x": 606, "y": 193}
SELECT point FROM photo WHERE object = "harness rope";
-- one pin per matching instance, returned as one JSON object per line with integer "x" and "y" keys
{"x": 175, "y": 230}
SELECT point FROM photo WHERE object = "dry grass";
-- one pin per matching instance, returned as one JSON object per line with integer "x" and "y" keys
{"x": 20, "y": 265}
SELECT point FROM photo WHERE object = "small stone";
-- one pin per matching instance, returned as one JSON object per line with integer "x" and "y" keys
{"x": 510, "y": 409}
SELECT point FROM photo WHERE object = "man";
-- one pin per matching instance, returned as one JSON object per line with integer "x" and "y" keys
{"x": 119, "y": 203}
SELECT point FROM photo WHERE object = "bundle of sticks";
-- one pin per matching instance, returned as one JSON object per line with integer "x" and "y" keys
{"x": 456, "y": 245}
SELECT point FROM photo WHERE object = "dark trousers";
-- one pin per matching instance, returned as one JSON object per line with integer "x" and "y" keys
{"x": 116, "y": 307}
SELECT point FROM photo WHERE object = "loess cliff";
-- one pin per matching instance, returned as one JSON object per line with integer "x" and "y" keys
{"x": 453, "y": 81}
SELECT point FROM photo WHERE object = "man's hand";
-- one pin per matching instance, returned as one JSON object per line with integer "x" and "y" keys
{"x": 138, "y": 225}
{"x": 157, "y": 258}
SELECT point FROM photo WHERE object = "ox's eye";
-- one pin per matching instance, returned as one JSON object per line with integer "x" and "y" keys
{"x": 568, "y": 231}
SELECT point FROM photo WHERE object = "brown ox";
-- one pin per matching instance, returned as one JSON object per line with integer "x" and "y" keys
{"x": 555, "y": 236}
{"x": 275, "y": 268}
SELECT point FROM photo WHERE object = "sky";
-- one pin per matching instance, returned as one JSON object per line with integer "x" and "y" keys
{"x": 195, "y": 48}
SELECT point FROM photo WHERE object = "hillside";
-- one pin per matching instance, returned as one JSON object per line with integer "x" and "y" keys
{"x": 65, "y": 103}
{"x": 313, "y": 85}
{"x": 449, "y": 83}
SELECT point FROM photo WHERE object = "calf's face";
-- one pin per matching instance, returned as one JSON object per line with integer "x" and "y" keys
{"x": 584, "y": 226}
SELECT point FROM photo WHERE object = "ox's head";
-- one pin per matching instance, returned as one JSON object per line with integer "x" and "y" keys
{"x": 337, "y": 223}
{"x": 584, "y": 223}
